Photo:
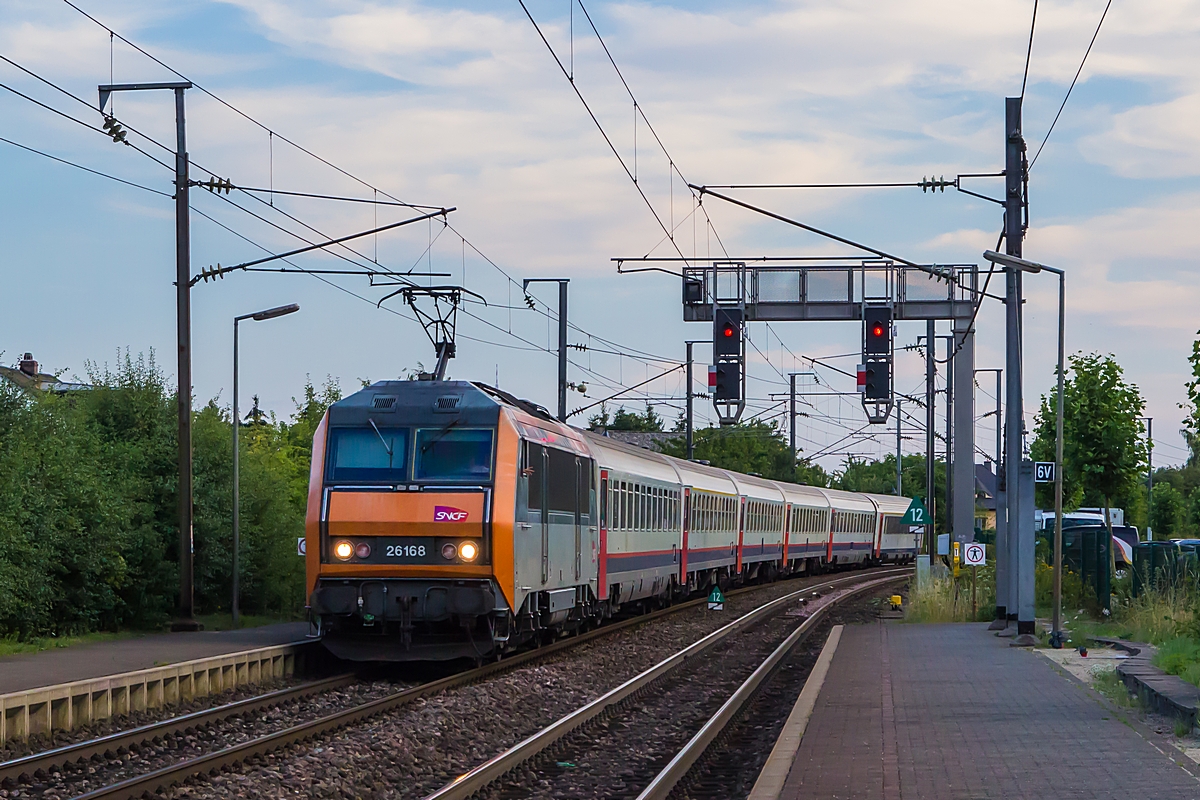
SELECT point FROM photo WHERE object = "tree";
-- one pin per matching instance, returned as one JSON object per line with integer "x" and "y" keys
{"x": 1191, "y": 422}
{"x": 1104, "y": 452}
{"x": 1167, "y": 518}
{"x": 649, "y": 421}
{"x": 879, "y": 477}
{"x": 751, "y": 447}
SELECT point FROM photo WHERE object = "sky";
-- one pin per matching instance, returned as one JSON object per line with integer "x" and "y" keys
{"x": 463, "y": 105}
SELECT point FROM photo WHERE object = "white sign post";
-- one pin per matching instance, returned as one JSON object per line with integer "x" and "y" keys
{"x": 974, "y": 556}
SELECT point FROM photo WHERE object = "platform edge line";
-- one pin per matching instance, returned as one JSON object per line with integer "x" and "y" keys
{"x": 773, "y": 775}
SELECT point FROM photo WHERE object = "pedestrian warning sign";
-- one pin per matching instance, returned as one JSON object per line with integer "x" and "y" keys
{"x": 975, "y": 555}
{"x": 916, "y": 514}
{"x": 716, "y": 599}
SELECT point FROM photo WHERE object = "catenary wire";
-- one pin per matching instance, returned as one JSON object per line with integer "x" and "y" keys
{"x": 1071, "y": 88}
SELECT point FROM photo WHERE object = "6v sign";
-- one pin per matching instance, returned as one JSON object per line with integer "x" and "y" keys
{"x": 1043, "y": 472}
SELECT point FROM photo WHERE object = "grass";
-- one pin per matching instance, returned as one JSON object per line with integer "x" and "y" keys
{"x": 12, "y": 646}
{"x": 224, "y": 622}
{"x": 1109, "y": 684}
{"x": 947, "y": 600}
{"x": 212, "y": 622}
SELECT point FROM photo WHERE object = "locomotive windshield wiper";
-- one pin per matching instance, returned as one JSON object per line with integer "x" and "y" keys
{"x": 442, "y": 432}
{"x": 386, "y": 446}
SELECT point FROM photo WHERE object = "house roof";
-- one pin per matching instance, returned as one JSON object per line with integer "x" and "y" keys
{"x": 985, "y": 487}
{"x": 40, "y": 380}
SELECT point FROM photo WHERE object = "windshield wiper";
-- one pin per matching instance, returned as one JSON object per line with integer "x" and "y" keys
{"x": 386, "y": 446}
{"x": 442, "y": 432}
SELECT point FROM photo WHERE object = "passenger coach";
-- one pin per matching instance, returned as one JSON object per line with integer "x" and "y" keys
{"x": 449, "y": 519}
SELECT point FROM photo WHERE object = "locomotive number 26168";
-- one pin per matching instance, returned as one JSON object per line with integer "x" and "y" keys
{"x": 405, "y": 551}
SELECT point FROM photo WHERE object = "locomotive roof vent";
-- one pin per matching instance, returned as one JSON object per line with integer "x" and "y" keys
{"x": 447, "y": 402}
{"x": 384, "y": 402}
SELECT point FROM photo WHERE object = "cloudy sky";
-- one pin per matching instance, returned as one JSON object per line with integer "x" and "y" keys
{"x": 462, "y": 104}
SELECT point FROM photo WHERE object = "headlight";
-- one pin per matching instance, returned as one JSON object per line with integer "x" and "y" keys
{"x": 449, "y": 551}
{"x": 363, "y": 550}
{"x": 467, "y": 551}
{"x": 343, "y": 550}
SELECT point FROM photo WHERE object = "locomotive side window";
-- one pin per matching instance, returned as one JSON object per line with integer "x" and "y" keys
{"x": 534, "y": 465}
{"x": 561, "y": 481}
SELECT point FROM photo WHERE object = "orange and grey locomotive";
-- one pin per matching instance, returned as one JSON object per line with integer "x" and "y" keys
{"x": 449, "y": 519}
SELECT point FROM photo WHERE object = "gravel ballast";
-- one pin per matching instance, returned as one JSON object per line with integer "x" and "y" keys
{"x": 417, "y": 748}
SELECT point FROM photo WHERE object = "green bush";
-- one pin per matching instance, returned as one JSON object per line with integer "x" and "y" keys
{"x": 89, "y": 513}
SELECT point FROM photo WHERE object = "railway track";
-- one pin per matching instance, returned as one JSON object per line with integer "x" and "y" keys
{"x": 28, "y": 769}
{"x": 605, "y": 742}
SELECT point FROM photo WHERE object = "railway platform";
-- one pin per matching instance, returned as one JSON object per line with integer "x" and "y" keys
{"x": 951, "y": 711}
{"x": 62, "y": 689}
{"x": 99, "y": 659}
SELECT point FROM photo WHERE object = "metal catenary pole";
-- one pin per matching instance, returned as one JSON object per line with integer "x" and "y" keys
{"x": 690, "y": 443}
{"x": 899, "y": 466}
{"x": 1014, "y": 422}
{"x": 792, "y": 416}
{"x": 1056, "y": 626}
{"x": 185, "y": 620}
{"x": 949, "y": 501}
{"x": 562, "y": 338}
{"x": 930, "y": 352}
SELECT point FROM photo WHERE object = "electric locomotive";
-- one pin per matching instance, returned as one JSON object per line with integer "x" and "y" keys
{"x": 449, "y": 519}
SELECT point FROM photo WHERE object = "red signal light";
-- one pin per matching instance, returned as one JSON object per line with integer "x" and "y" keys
{"x": 727, "y": 332}
{"x": 877, "y": 330}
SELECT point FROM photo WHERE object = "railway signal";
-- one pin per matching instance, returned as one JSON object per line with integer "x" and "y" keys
{"x": 726, "y": 377}
{"x": 875, "y": 371}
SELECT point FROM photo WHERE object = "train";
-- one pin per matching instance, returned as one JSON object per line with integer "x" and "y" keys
{"x": 451, "y": 519}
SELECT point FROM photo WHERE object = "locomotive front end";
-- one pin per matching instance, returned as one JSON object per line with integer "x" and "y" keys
{"x": 404, "y": 514}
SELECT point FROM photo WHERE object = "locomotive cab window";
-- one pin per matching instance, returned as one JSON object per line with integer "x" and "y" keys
{"x": 367, "y": 454}
{"x": 449, "y": 454}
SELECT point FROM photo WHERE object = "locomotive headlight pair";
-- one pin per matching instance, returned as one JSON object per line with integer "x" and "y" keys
{"x": 467, "y": 551}
{"x": 344, "y": 550}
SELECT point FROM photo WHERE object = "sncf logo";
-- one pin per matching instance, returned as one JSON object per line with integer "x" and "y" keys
{"x": 448, "y": 514}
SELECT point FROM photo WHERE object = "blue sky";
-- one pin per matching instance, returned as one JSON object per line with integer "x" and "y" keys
{"x": 461, "y": 104}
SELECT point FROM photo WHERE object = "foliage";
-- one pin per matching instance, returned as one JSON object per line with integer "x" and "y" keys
{"x": 1167, "y": 516}
{"x": 623, "y": 420}
{"x": 1104, "y": 451}
{"x": 949, "y": 599}
{"x": 879, "y": 477}
{"x": 751, "y": 447}
{"x": 1191, "y": 422}
{"x": 89, "y": 512}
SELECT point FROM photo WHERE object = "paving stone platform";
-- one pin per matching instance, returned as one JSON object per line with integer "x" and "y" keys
{"x": 951, "y": 711}
{"x": 96, "y": 660}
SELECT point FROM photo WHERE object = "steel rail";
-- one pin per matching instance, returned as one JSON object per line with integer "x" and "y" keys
{"x": 466, "y": 785}
{"x": 679, "y": 766}
{"x": 82, "y": 751}
{"x": 166, "y": 777}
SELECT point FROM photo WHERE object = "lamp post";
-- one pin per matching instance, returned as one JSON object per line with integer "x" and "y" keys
{"x": 270, "y": 313}
{"x": 1056, "y": 635}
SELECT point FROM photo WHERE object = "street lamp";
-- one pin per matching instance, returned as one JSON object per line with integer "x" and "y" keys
{"x": 270, "y": 313}
{"x": 1013, "y": 262}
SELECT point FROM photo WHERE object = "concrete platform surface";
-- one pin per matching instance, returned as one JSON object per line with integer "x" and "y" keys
{"x": 951, "y": 711}
{"x": 96, "y": 660}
